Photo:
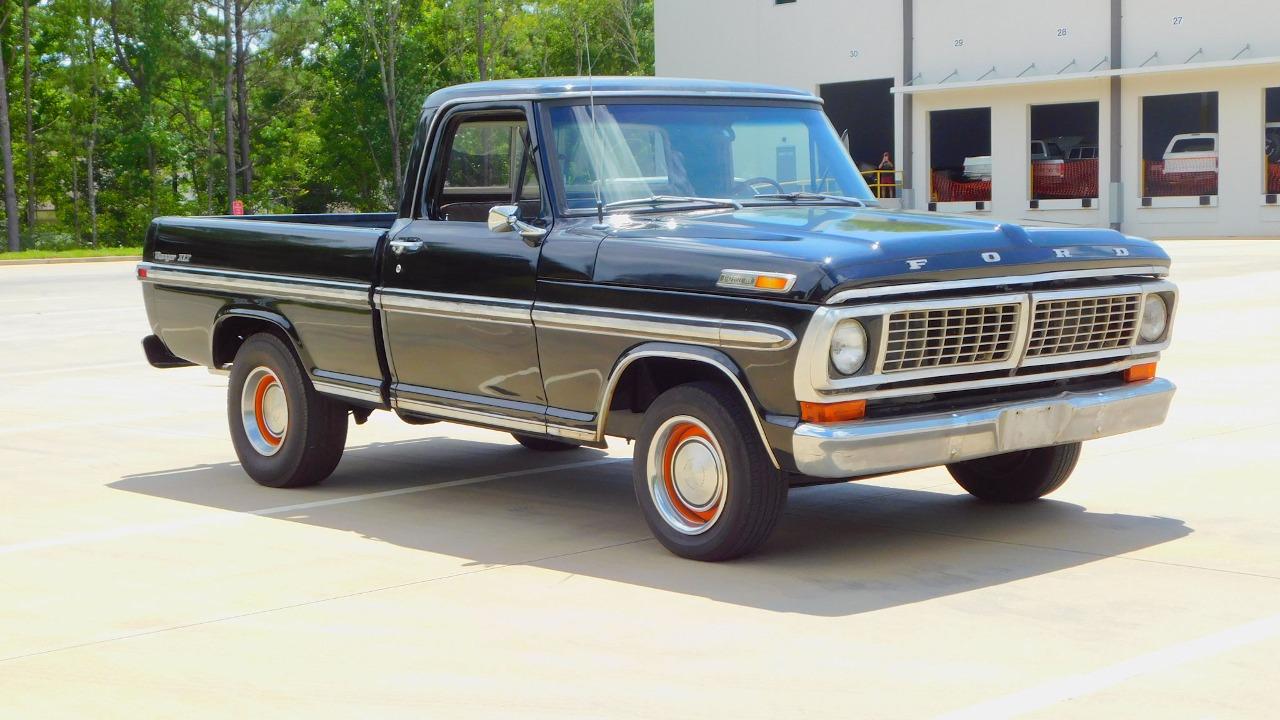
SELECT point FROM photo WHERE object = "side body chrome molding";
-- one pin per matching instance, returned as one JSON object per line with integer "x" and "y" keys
{"x": 661, "y": 326}
{"x": 331, "y": 292}
{"x": 466, "y": 307}
{"x": 701, "y": 331}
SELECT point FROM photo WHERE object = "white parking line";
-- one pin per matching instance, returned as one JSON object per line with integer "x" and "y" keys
{"x": 1074, "y": 686}
{"x": 77, "y": 368}
{"x": 237, "y": 516}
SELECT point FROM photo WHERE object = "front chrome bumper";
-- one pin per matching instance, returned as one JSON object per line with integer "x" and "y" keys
{"x": 865, "y": 447}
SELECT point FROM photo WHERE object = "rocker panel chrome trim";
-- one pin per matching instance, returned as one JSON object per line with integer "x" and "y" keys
{"x": 346, "y": 391}
{"x": 476, "y": 417}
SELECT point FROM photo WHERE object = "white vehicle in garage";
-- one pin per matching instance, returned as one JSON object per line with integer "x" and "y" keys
{"x": 1191, "y": 152}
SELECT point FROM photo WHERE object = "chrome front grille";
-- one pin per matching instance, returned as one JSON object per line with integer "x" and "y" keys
{"x": 948, "y": 337}
{"x": 1076, "y": 325}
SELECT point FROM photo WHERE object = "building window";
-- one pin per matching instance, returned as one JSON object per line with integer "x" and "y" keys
{"x": 1271, "y": 140}
{"x": 1180, "y": 145}
{"x": 960, "y": 155}
{"x": 864, "y": 110}
{"x": 1064, "y": 151}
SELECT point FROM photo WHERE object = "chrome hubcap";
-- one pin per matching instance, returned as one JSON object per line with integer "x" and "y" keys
{"x": 687, "y": 475}
{"x": 264, "y": 411}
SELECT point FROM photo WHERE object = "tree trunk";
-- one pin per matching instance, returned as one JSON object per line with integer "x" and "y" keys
{"x": 6, "y": 149}
{"x": 242, "y": 96}
{"x": 227, "y": 104}
{"x": 386, "y": 48}
{"x": 212, "y": 150}
{"x": 26, "y": 106}
{"x": 75, "y": 199}
{"x": 482, "y": 60}
{"x": 91, "y": 184}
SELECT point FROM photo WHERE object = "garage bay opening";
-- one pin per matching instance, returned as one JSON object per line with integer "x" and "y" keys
{"x": 1064, "y": 152}
{"x": 960, "y": 155}
{"x": 1271, "y": 143}
{"x": 864, "y": 109}
{"x": 1180, "y": 145}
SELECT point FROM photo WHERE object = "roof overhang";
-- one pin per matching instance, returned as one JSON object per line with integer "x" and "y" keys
{"x": 1083, "y": 76}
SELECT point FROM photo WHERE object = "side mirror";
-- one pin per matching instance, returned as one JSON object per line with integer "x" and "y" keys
{"x": 503, "y": 218}
{"x": 506, "y": 218}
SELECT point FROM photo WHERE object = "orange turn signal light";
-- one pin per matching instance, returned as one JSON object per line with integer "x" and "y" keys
{"x": 833, "y": 412}
{"x": 1145, "y": 371}
{"x": 771, "y": 282}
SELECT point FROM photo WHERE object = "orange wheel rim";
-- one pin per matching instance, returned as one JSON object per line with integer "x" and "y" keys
{"x": 264, "y": 410}
{"x": 682, "y": 433}
{"x": 687, "y": 475}
{"x": 259, "y": 413}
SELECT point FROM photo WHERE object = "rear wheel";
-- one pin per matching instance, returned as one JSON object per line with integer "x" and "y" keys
{"x": 702, "y": 476}
{"x": 541, "y": 444}
{"x": 1017, "y": 476}
{"x": 284, "y": 432}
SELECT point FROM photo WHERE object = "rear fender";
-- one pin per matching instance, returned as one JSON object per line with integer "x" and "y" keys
{"x": 235, "y": 320}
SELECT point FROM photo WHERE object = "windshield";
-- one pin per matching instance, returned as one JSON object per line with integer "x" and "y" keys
{"x": 675, "y": 150}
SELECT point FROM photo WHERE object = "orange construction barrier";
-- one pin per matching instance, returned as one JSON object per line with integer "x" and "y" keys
{"x": 1068, "y": 179}
{"x": 1157, "y": 183}
{"x": 1273, "y": 177}
{"x": 947, "y": 190}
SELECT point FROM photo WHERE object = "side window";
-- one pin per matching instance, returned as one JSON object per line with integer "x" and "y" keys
{"x": 486, "y": 154}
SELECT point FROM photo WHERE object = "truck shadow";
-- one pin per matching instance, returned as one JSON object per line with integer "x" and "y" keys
{"x": 840, "y": 549}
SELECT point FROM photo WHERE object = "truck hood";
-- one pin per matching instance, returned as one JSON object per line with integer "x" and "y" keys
{"x": 834, "y": 248}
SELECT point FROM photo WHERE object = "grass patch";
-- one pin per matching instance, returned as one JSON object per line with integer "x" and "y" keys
{"x": 75, "y": 253}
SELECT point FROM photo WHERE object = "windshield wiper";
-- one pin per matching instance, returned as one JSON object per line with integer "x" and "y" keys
{"x": 802, "y": 195}
{"x": 656, "y": 200}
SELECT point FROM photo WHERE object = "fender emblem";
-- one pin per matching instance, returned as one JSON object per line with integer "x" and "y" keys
{"x": 917, "y": 263}
{"x": 990, "y": 257}
{"x": 1062, "y": 252}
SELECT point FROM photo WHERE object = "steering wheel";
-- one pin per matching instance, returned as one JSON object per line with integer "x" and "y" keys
{"x": 750, "y": 183}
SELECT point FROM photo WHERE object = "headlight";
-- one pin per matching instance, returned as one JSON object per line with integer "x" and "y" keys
{"x": 848, "y": 347}
{"x": 1155, "y": 319}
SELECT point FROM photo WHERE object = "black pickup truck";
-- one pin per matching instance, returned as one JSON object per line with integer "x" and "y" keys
{"x": 697, "y": 266}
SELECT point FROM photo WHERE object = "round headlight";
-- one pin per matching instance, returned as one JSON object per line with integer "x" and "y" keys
{"x": 848, "y": 347}
{"x": 1155, "y": 319}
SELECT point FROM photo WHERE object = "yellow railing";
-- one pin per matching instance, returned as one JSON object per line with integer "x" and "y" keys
{"x": 883, "y": 183}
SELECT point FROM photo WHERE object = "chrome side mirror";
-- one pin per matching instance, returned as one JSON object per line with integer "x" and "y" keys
{"x": 506, "y": 218}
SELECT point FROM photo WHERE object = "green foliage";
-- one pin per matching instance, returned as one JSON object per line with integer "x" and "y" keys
{"x": 144, "y": 81}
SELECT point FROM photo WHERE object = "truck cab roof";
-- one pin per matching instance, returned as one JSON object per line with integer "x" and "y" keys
{"x": 557, "y": 87}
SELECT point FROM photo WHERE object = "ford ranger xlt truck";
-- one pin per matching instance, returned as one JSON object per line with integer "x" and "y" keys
{"x": 695, "y": 266}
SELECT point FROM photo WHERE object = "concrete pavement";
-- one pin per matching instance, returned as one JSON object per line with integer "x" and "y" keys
{"x": 447, "y": 572}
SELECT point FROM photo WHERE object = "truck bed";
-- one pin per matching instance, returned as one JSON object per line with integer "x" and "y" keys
{"x": 210, "y": 279}
{"x": 335, "y": 246}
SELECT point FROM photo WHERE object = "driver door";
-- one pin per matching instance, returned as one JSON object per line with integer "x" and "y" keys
{"x": 457, "y": 297}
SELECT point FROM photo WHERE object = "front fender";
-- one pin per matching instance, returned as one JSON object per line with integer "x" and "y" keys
{"x": 688, "y": 353}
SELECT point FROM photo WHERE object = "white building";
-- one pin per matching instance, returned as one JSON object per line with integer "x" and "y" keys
{"x": 1111, "y": 85}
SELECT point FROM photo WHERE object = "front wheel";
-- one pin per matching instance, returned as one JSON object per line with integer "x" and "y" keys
{"x": 1017, "y": 476}
{"x": 284, "y": 432}
{"x": 704, "y": 481}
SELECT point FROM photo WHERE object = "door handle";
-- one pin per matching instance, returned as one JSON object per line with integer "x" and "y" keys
{"x": 401, "y": 246}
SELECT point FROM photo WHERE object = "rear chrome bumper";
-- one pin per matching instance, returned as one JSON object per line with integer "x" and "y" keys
{"x": 865, "y": 447}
